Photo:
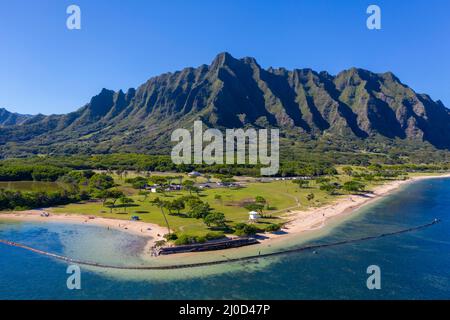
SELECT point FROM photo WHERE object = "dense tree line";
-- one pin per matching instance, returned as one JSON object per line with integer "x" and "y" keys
{"x": 25, "y": 172}
{"x": 52, "y": 167}
{"x": 17, "y": 200}
{"x": 80, "y": 185}
{"x": 303, "y": 163}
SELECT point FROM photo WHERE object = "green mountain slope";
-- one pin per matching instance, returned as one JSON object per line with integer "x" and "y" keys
{"x": 356, "y": 109}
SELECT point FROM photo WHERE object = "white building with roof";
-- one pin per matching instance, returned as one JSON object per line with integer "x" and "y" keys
{"x": 253, "y": 215}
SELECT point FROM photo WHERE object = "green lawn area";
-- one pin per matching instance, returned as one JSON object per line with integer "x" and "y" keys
{"x": 280, "y": 195}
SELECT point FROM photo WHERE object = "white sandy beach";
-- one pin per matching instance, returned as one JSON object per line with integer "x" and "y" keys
{"x": 299, "y": 221}
{"x": 144, "y": 229}
{"x": 316, "y": 218}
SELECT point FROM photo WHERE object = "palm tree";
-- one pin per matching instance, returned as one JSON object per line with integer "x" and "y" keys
{"x": 161, "y": 204}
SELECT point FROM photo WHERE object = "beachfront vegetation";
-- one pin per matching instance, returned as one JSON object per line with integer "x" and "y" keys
{"x": 243, "y": 229}
{"x": 193, "y": 213}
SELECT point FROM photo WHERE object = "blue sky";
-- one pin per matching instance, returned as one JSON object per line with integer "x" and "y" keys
{"x": 46, "y": 68}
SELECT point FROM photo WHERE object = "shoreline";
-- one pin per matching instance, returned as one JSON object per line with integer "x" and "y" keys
{"x": 299, "y": 221}
{"x": 148, "y": 230}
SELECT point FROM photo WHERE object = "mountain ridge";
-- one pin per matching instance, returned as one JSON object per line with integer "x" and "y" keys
{"x": 354, "y": 104}
{"x": 8, "y": 118}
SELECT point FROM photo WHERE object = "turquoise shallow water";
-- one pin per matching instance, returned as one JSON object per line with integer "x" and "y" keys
{"x": 413, "y": 266}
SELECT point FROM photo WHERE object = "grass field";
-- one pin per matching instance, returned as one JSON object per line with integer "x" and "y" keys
{"x": 280, "y": 195}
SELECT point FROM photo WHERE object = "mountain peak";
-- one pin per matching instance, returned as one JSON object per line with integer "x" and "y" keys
{"x": 4, "y": 110}
{"x": 250, "y": 60}
{"x": 102, "y": 103}
{"x": 222, "y": 59}
{"x": 106, "y": 92}
{"x": 232, "y": 93}
{"x": 8, "y": 118}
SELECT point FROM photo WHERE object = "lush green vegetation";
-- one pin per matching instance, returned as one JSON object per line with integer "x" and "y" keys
{"x": 302, "y": 162}
{"x": 33, "y": 168}
{"x": 194, "y": 215}
{"x": 36, "y": 172}
{"x": 18, "y": 200}
{"x": 116, "y": 186}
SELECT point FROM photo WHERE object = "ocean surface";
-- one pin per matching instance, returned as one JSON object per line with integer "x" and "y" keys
{"x": 413, "y": 265}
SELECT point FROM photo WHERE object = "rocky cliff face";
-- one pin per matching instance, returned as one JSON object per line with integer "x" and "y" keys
{"x": 10, "y": 119}
{"x": 230, "y": 93}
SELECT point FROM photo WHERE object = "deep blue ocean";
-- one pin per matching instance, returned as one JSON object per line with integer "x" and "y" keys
{"x": 413, "y": 265}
